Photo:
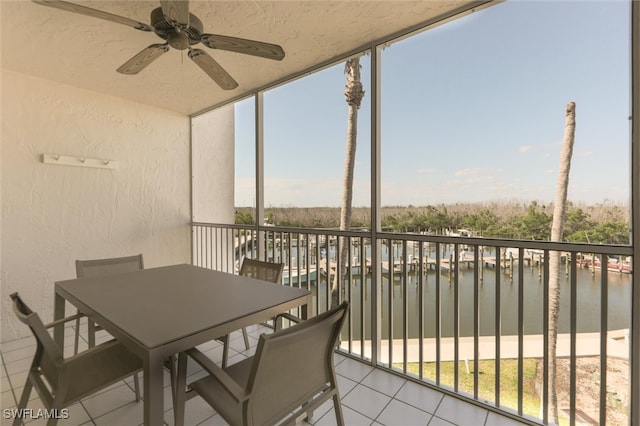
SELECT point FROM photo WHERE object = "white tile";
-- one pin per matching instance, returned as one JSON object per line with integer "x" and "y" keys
{"x": 353, "y": 369}
{"x": 6, "y": 399}
{"x": 120, "y": 385}
{"x": 399, "y": 413}
{"x": 338, "y": 358}
{"x": 213, "y": 352}
{"x": 235, "y": 357}
{"x": 366, "y": 401}
{"x": 110, "y": 400}
{"x": 197, "y": 410}
{"x": 12, "y": 345}
{"x": 319, "y": 412}
{"x": 17, "y": 384}
{"x": 167, "y": 398}
{"x": 384, "y": 382}
{"x": 130, "y": 381}
{"x": 237, "y": 342}
{"x": 497, "y": 420}
{"x": 5, "y": 383}
{"x": 193, "y": 367}
{"x": 129, "y": 414}
{"x": 210, "y": 345}
{"x": 197, "y": 376}
{"x": 437, "y": 421}
{"x": 351, "y": 418}
{"x": 345, "y": 385}
{"x": 216, "y": 420}
{"x": 18, "y": 393}
{"x": 25, "y": 352}
{"x": 18, "y": 366}
{"x": 328, "y": 405}
{"x": 460, "y": 412}
{"x": 102, "y": 336}
{"x": 419, "y": 396}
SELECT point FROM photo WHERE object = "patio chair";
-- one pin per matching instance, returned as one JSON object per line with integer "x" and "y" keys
{"x": 100, "y": 267}
{"x": 96, "y": 268}
{"x": 61, "y": 382}
{"x": 291, "y": 374}
{"x": 267, "y": 271}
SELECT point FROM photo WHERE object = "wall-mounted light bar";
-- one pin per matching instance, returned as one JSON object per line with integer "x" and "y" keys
{"x": 64, "y": 160}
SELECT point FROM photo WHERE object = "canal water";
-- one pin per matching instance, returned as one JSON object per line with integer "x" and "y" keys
{"x": 588, "y": 306}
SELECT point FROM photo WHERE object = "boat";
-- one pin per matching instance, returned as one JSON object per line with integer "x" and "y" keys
{"x": 461, "y": 233}
{"x": 613, "y": 264}
{"x": 296, "y": 276}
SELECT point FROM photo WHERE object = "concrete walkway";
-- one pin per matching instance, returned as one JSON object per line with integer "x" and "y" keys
{"x": 587, "y": 344}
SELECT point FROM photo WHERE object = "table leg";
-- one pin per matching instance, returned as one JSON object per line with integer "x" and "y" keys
{"x": 58, "y": 313}
{"x": 306, "y": 308}
{"x": 91, "y": 333}
{"x": 153, "y": 390}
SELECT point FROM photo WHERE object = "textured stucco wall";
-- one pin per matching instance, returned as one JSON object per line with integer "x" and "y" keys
{"x": 213, "y": 154}
{"x": 53, "y": 215}
{"x": 213, "y": 159}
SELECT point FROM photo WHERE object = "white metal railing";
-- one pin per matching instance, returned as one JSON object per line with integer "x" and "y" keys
{"x": 468, "y": 315}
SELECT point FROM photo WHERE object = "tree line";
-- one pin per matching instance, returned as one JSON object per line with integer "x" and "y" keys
{"x": 601, "y": 223}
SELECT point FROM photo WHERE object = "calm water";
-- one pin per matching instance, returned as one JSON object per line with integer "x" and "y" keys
{"x": 588, "y": 302}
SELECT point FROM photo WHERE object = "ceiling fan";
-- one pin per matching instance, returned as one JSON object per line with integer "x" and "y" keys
{"x": 181, "y": 30}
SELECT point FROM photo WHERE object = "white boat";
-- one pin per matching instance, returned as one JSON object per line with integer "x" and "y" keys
{"x": 298, "y": 276}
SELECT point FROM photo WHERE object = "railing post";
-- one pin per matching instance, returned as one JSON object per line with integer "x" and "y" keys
{"x": 634, "y": 348}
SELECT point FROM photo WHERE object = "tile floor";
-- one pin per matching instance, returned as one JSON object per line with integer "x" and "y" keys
{"x": 369, "y": 396}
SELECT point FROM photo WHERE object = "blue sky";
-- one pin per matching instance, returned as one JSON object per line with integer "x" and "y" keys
{"x": 472, "y": 111}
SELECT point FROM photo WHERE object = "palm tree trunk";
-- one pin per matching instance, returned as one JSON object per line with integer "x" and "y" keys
{"x": 353, "y": 93}
{"x": 559, "y": 214}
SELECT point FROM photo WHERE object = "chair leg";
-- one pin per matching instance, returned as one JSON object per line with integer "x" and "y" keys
{"x": 246, "y": 338}
{"x": 77, "y": 336}
{"x": 23, "y": 402}
{"x": 170, "y": 364}
{"x": 225, "y": 351}
{"x": 309, "y": 416}
{"x": 92, "y": 333}
{"x": 136, "y": 386}
{"x": 180, "y": 389}
{"x": 338, "y": 409}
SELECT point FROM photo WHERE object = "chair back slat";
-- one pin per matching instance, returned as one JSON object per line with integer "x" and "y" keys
{"x": 293, "y": 365}
{"x": 258, "y": 269}
{"x": 116, "y": 265}
{"x": 48, "y": 356}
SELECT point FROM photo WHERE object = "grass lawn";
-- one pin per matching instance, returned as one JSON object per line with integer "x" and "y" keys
{"x": 486, "y": 381}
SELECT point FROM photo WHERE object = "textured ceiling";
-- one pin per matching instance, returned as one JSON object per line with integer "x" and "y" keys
{"x": 85, "y": 52}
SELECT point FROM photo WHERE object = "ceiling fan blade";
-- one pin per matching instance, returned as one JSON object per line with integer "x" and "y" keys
{"x": 213, "y": 69}
{"x": 176, "y": 12}
{"x": 241, "y": 45}
{"x": 142, "y": 59}
{"x": 83, "y": 10}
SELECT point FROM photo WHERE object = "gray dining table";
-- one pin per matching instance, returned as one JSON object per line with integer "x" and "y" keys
{"x": 159, "y": 312}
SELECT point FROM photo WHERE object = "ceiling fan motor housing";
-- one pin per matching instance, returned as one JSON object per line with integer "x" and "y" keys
{"x": 177, "y": 37}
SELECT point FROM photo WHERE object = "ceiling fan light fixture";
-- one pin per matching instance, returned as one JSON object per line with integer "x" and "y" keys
{"x": 178, "y": 40}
